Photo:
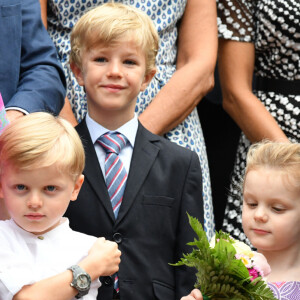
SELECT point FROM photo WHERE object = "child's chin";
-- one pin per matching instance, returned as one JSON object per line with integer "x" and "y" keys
{"x": 260, "y": 246}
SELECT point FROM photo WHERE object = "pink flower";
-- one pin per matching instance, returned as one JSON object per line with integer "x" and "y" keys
{"x": 260, "y": 264}
{"x": 253, "y": 273}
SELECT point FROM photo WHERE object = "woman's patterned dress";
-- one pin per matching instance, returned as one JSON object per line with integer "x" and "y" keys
{"x": 274, "y": 28}
{"x": 63, "y": 14}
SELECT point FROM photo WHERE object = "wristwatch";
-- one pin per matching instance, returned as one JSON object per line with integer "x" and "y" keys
{"x": 81, "y": 281}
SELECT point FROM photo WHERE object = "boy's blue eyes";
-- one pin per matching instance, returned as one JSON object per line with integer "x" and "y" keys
{"x": 101, "y": 59}
{"x": 130, "y": 62}
{"x": 21, "y": 187}
{"x": 50, "y": 188}
{"x": 127, "y": 61}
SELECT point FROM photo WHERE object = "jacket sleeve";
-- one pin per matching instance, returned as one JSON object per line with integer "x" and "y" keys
{"x": 191, "y": 203}
{"x": 41, "y": 85}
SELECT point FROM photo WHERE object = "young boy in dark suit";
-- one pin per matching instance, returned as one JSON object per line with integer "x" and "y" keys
{"x": 138, "y": 186}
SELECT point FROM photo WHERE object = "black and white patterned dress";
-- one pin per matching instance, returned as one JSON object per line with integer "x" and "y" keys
{"x": 274, "y": 28}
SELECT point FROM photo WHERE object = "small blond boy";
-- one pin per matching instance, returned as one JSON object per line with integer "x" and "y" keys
{"x": 41, "y": 163}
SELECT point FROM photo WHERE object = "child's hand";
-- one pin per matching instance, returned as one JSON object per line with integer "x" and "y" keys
{"x": 103, "y": 259}
{"x": 194, "y": 295}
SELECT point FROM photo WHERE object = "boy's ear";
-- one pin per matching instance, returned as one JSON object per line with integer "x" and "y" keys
{"x": 147, "y": 78}
{"x": 78, "y": 73}
{"x": 77, "y": 187}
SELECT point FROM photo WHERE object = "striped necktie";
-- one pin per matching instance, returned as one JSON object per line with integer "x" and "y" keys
{"x": 115, "y": 173}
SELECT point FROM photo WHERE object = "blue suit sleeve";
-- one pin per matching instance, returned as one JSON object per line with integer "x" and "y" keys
{"x": 41, "y": 85}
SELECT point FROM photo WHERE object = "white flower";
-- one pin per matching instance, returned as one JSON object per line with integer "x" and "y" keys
{"x": 212, "y": 242}
{"x": 242, "y": 248}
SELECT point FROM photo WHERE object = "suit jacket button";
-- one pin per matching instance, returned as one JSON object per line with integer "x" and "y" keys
{"x": 106, "y": 280}
{"x": 117, "y": 237}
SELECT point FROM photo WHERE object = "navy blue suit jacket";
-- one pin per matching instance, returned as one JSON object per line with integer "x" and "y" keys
{"x": 31, "y": 77}
{"x": 152, "y": 229}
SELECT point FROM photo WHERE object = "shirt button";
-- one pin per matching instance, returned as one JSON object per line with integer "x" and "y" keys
{"x": 117, "y": 237}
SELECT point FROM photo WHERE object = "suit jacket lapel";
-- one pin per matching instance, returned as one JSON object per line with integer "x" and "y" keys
{"x": 143, "y": 157}
{"x": 92, "y": 170}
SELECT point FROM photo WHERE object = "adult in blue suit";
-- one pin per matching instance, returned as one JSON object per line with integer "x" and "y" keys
{"x": 31, "y": 78}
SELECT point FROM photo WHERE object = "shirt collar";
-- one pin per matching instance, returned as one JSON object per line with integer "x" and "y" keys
{"x": 129, "y": 129}
{"x": 52, "y": 234}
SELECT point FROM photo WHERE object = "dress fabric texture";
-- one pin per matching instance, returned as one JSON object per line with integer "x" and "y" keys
{"x": 288, "y": 290}
{"x": 273, "y": 27}
{"x": 62, "y": 15}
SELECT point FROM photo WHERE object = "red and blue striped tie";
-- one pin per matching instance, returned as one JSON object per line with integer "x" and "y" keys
{"x": 115, "y": 173}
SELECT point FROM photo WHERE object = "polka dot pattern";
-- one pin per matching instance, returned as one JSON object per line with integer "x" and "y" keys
{"x": 63, "y": 14}
{"x": 273, "y": 27}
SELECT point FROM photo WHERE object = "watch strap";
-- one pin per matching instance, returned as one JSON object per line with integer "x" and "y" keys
{"x": 78, "y": 271}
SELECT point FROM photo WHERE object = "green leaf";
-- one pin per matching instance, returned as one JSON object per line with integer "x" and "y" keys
{"x": 219, "y": 274}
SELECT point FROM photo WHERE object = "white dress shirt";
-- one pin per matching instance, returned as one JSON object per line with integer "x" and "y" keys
{"x": 26, "y": 258}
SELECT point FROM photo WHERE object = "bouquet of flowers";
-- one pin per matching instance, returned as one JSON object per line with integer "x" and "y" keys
{"x": 3, "y": 120}
{"x": 226, "y": 268}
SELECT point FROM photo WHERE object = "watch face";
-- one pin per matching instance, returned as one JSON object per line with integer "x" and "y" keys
{"x": 82, "y": 281}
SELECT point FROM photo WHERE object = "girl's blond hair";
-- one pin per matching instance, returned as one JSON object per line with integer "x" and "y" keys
{"x": 278, "y": 155}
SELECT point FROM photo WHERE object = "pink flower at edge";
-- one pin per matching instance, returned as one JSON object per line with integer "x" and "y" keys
{"x": 253, "y": 273}
{"x": 260, "y": 264}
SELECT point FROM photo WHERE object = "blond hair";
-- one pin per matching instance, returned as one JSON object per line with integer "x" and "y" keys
{"x": 110, "y": 23}
{"x": 41, "y": 140}
{"x": 284, "y": 157}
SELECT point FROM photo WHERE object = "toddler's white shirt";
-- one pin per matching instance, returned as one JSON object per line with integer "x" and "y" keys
{"x": 26, "y": 258}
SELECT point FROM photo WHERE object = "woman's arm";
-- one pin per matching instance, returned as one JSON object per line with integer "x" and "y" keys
{"x": 194, "y": 77}
{"x": 43, "y": 4}
{"x": 67, "y": 113}
{"x": 236, "y": 66}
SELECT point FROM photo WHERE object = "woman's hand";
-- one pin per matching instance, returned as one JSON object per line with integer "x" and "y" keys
{"x": 194, "y": 77}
